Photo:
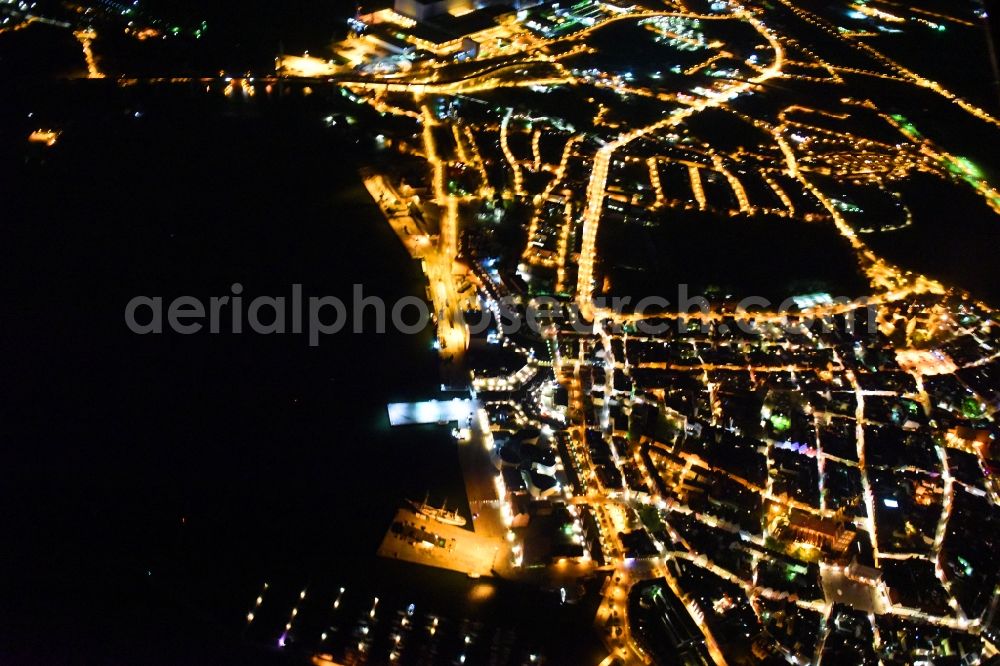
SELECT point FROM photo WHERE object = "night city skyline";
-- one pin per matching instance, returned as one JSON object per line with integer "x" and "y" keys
{"x": 500, "y": 332}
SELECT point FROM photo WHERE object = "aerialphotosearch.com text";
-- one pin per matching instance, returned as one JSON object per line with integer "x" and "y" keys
{"x": 317, "y": 317}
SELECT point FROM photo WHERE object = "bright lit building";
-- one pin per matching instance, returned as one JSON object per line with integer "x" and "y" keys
{"x": 425, "y": 9}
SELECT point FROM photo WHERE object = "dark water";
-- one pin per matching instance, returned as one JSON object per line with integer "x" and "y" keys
{"x": 152, "y": 484}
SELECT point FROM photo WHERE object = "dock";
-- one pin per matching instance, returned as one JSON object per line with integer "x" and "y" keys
{"x": 416, "y": 538}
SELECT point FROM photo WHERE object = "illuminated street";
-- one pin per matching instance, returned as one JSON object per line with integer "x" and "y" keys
{"x": 718, "y": 362}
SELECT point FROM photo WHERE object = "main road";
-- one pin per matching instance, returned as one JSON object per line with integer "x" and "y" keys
{"x": 602, "y": 160}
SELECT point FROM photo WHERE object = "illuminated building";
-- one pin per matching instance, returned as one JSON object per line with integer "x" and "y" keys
{"x": 828, "y": 534}
{"x": 425, "y": 9}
